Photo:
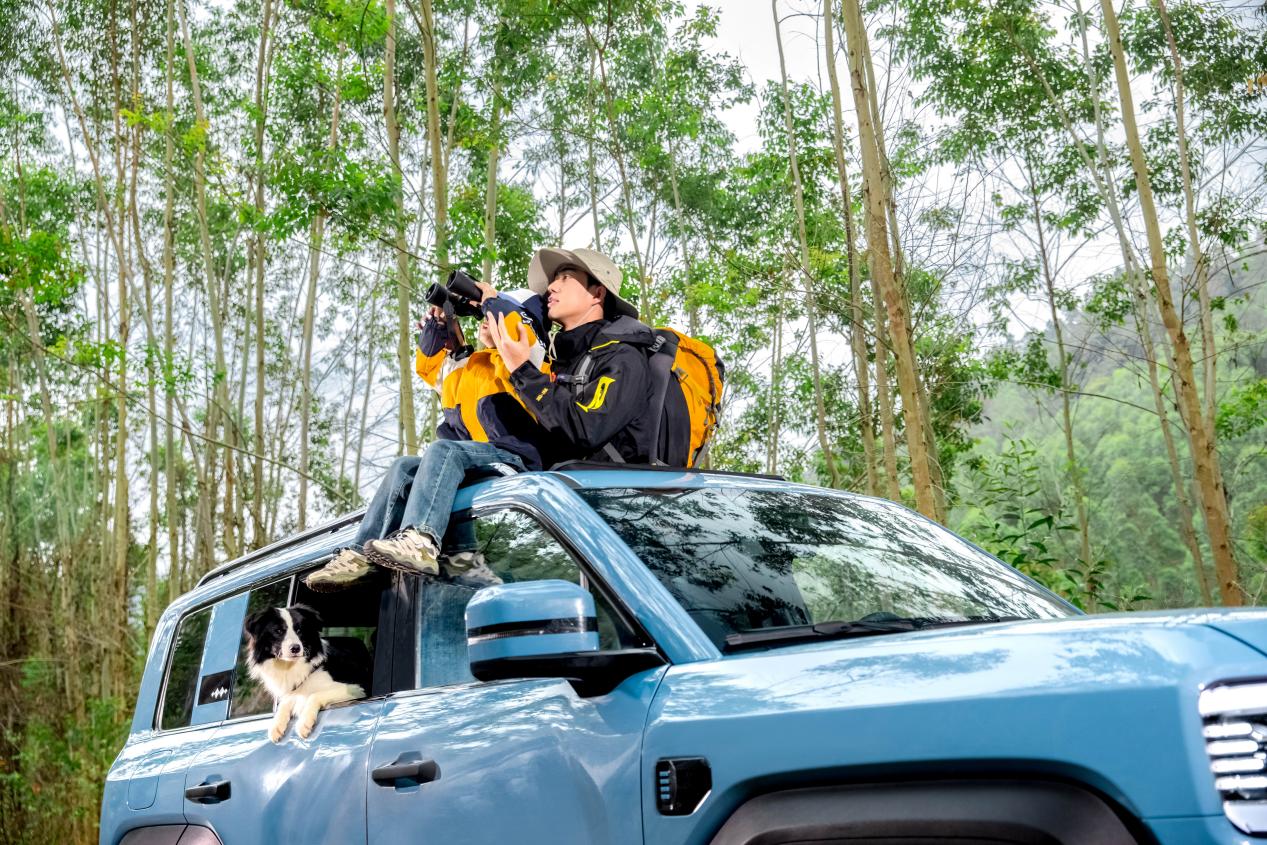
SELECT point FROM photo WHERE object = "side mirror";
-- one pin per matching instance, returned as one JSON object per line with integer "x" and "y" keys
{"x": 545, "y": 629}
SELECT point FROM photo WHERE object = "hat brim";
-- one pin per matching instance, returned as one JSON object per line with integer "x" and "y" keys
{"x": 547, "y": 261}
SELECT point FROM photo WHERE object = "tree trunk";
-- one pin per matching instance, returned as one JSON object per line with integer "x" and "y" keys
{"x": 1101, "y": 175}
{"x": 1187, "y": 532}
{"x": 121, "y": 540}
{"x": 877, "y": 241}
{"x": 899, "y": 271}
{"x": 152, "y": 606}
{"x": 1209, "y": 352}
{"x": 490, "y": 190}
{"x": 798, "y": 199}
{"x": 857, "y": 336}
{"x": 775, "y": 416}
{"x": 439, "y": 168}
{"x": 259, "y": 537}
{"x": 644, "y": 280}
{"x": 404, "y": 346}
{"x": 591, "y": 169}
{"x": 1205, "y": 457}
{"x": 315, "y": 237}
{"x": 370, "y": 361}
{"x": 219, "y": 395}
{"x": 1071, "y": 458}
{"x": 684, "y": 246}
{"x": 883, "y": 395}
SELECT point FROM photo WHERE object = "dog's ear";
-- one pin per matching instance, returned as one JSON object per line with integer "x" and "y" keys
{"x": 307, "y": 613}
{"x": 256, "y": 621}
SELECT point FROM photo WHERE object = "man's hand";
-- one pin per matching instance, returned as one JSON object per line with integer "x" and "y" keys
{"x": 514, "y": 350}
{"x": 435, "y": 312}
{"x": 487, "y": 291}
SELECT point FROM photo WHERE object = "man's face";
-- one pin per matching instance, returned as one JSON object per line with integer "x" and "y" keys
{"x": 569, "y": 301}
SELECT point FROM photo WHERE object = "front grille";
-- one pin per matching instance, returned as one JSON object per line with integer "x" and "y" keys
{"x": 1235, "y": 731}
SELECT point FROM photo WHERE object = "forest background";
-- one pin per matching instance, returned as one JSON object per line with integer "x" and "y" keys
{"x": 1001, "y": 260}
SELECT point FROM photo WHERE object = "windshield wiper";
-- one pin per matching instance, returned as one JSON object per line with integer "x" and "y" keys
{"x": 864, "y": 627}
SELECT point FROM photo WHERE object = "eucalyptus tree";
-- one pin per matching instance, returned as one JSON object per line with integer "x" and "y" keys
{"x": 857, "y": 335}
{"x": 1201, "y": 436}
{"x": 885, "y": 260}
{"x": 811, "y": 309}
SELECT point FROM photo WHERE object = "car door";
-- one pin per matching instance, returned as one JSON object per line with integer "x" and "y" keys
{"x": 525, "y": 761}
{"x": 146, "y": 784}
{"x": 297, "y": 790}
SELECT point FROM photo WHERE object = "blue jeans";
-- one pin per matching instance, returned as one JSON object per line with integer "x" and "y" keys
{"x": 418, "y": 492}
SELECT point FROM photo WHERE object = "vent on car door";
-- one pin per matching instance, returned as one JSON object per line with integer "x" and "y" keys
{"x": 1235, "y": 731}
{"x": 681, "y": 785}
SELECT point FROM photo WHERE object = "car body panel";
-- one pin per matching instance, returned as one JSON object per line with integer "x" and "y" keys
{"x": 519, "y": 761}
{"x": 151, "y": 767}
{"x": 1106, "y": 701}
{"x": 297, "y": 790}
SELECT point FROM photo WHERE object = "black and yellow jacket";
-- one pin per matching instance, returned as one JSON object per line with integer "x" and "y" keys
{"x": 475, "y": 391}
{"x": 595, "y": 395}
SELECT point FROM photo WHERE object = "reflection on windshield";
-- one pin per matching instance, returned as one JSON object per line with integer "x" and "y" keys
{"x": 744, "y": 559}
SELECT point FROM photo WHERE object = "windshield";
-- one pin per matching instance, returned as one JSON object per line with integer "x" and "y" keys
{"x": 742, "y": 560}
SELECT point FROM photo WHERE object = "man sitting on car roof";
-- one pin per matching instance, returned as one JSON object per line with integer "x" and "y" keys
{"x": 591, "y": 405}
{"x": 594, "y": 397}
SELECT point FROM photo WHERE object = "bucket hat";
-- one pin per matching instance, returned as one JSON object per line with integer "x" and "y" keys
{"x": 547, "y": 262}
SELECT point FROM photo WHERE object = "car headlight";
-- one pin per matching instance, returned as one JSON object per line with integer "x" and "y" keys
{"x": 1235, "y": 730}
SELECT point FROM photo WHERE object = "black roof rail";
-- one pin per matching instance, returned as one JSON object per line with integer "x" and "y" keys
{"x": 491, "y": 471}
{"x": 285, "y": 543}
{"x": 607, "y": 465}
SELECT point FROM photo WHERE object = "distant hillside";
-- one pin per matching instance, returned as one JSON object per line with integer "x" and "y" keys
{"x": 1134, "y": 520}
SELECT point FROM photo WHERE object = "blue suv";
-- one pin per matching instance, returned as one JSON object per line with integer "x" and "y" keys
{"x": 690, "y": 657}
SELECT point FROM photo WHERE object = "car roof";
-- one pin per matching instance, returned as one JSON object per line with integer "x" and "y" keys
{"x": 578, "y": 475}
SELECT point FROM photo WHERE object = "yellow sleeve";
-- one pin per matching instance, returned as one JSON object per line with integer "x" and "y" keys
{"x": 428, "y": 366}
{"x": 536, "y": 354}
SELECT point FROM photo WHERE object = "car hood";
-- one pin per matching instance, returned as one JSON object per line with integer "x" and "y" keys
{"x": 1108, "y": 700}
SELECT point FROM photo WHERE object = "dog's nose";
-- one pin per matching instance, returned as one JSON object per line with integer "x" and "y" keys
{"x": 295, "y": 648}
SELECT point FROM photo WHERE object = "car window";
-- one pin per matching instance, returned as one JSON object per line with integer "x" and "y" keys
{"x": 182, "y": 672}
{"x": 249, "y": 695}
{"x": 515, "y": 547}
{"x": 350, "y": 620}
{"x": 742, "y": 559}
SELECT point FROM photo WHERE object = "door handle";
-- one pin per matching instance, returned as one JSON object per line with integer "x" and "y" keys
{"x": 421, "y": 771}
{"x": 209, "y": 792}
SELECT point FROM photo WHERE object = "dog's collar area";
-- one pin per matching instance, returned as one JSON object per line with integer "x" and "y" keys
{"x": 313, "y": 665}
{"x": 300, "y": 682}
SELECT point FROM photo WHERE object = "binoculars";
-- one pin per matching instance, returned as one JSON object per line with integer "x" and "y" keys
{"x": 460, "y": 292}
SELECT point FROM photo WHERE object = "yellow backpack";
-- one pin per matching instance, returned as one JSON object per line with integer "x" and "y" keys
{"x": 691, "y": 409}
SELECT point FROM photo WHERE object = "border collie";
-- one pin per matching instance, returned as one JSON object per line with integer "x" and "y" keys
{"x": 286, "y": 654}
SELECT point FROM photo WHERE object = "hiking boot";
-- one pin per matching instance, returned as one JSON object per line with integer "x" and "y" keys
{"x": 348, "y": 567}
{"x": 408, "y": 550}
{"x": 468, "y": 569}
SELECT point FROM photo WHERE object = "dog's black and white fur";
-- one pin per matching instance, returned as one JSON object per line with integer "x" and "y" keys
{"x": 286, "y": 654}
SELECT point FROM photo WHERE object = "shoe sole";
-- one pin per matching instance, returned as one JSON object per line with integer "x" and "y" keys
{"x": 463, "y": 578}
{"x": 380, "y": 559}
{"x": 328, "y": 585}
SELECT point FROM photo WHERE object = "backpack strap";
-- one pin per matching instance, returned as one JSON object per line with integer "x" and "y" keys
{"x": 581, "y": 376}
{"x": 660, "y": 357}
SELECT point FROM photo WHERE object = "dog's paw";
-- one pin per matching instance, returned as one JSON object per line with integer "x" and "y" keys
{"x": 305, "y": 725}
{"x": 275, "y": 733}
